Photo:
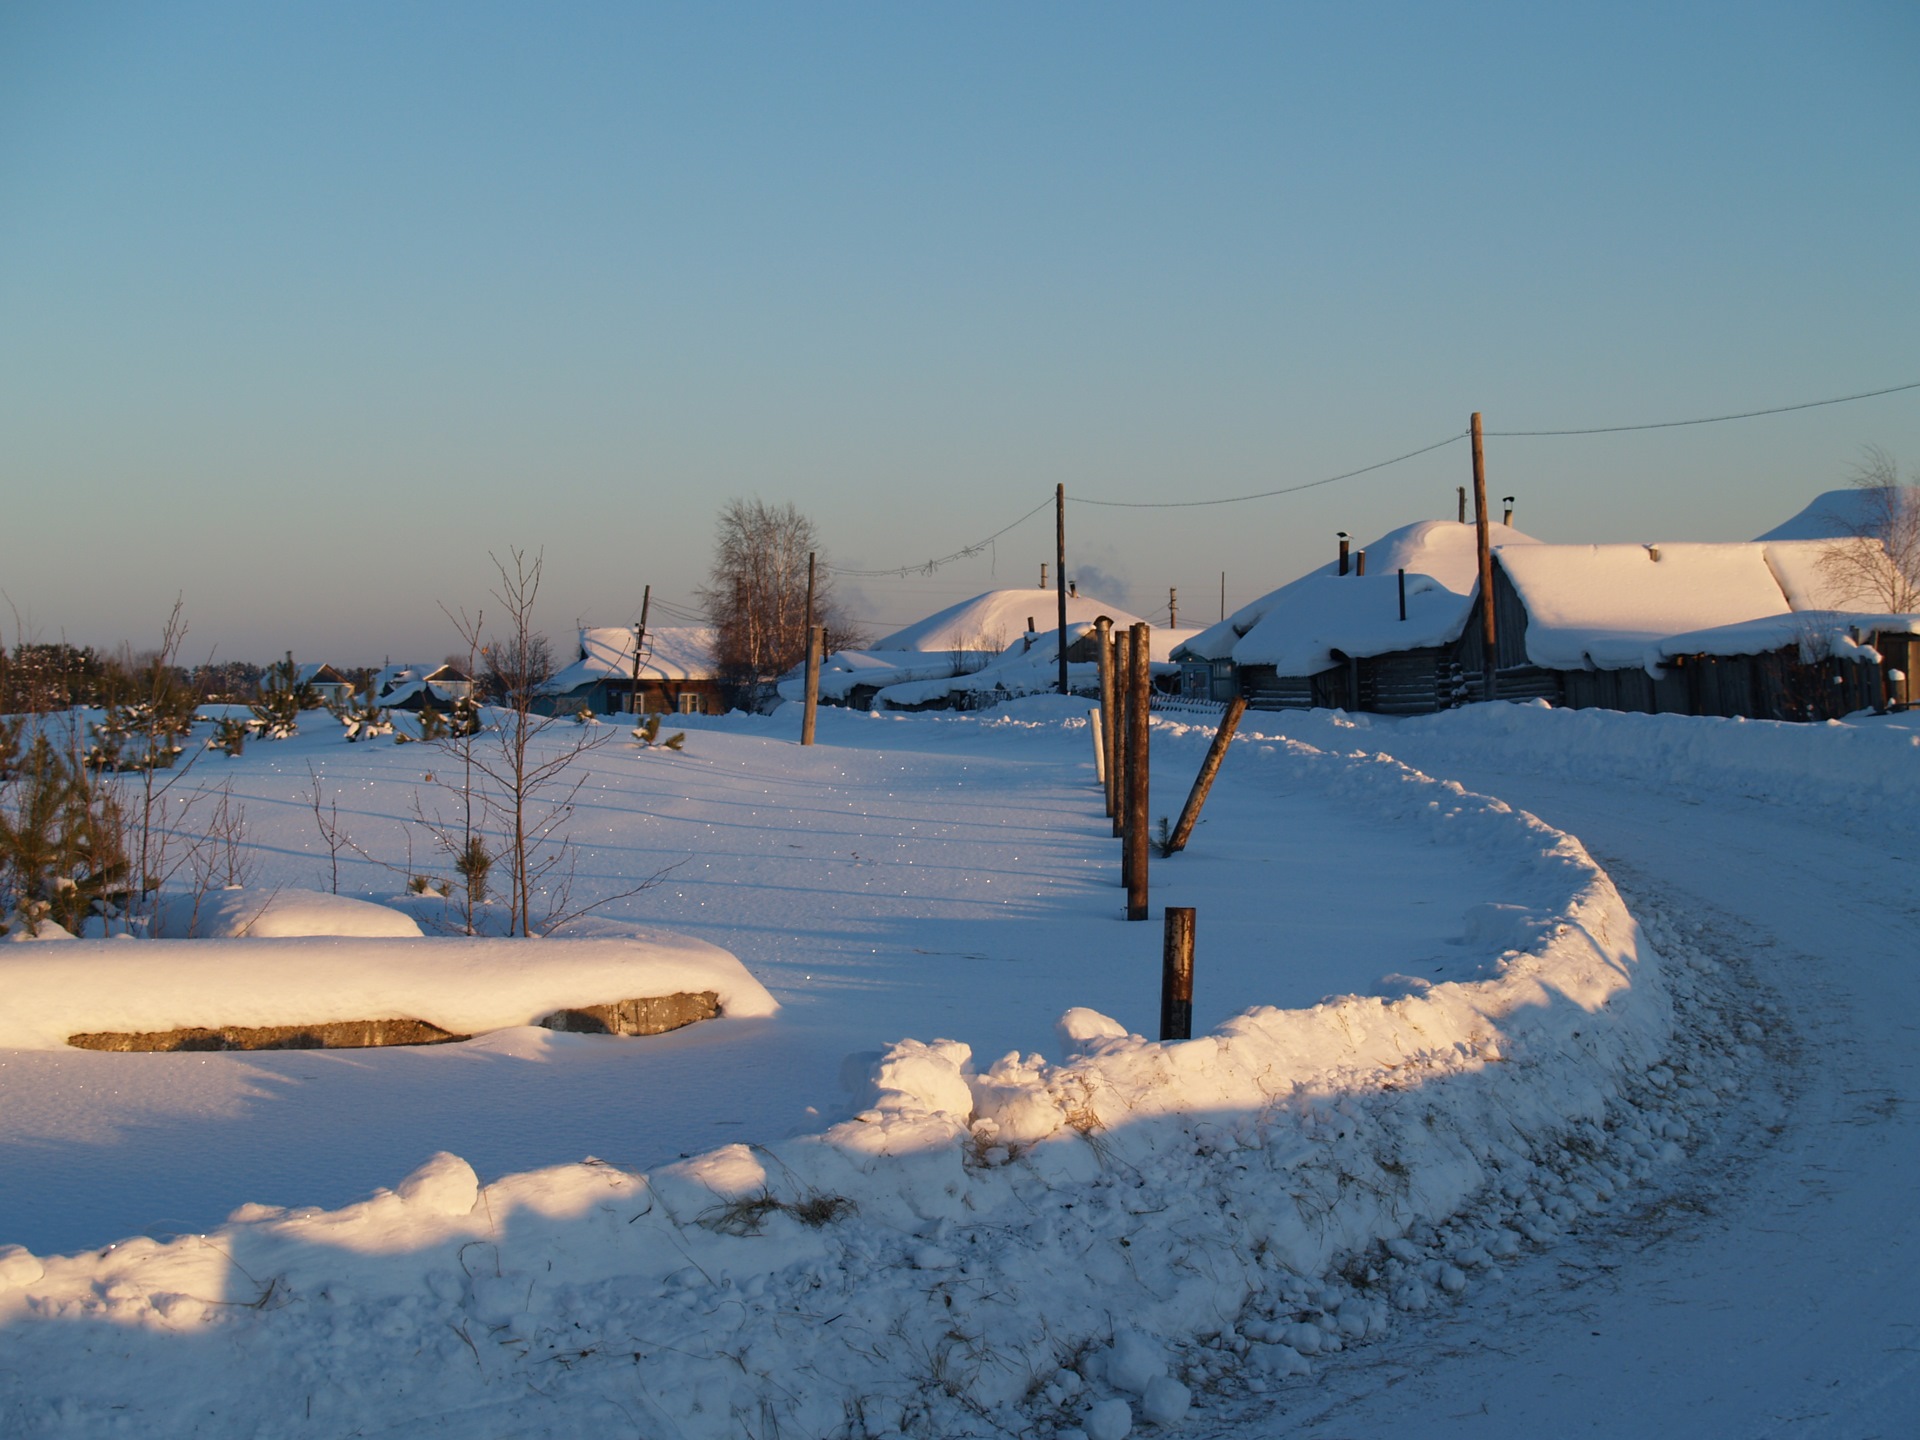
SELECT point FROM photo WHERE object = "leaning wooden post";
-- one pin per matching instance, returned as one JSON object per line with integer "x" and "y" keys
{"x": 1122, "y": 731}
{"x": 1139, "y": 664}
{"x": 1210, "y": 767}
{"x": 1103, "y": 642}
{"x": 816, "y": 642}
{"x": 1176, "y": 974}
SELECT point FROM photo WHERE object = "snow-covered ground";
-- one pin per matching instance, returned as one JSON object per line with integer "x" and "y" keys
{"x": 1527, "y": 1123}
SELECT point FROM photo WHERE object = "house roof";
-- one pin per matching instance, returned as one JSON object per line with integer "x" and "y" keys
{"x": 1605, "y": 606}
{"x": 673, "y": 653}
{"x": 994, "y": 620}
{"x": 1297, "y": 627}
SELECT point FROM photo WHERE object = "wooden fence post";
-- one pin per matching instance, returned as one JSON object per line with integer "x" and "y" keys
{"x": 1103, "y": 642}
{"x": 1097, "y": 729}
{"x": 1210, "y": 767}
{"x": 1122, "y": 729}
{"x": 1176, "y": 974}
{"x": 1139, "y": 729}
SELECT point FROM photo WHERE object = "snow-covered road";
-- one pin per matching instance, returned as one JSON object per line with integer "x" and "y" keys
{"x": 1789, "y": 1303}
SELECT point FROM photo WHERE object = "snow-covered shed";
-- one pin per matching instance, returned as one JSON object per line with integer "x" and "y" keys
{"x": 1753, "y": 628}
{"x": 414, "y": 687}
{"x": 679, "y": 673}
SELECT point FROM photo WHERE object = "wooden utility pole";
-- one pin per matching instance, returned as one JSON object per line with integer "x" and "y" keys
{"x": 1173, "y": 608}
{"x": 1176, "y": 974}
{"x": 814, "y": 642}
{"x": 1139, "y": 729}
{"x": 1209, "y": 768}
{"x": 1489, "y": 654}
{"x": 639, "y": 644}
{"x": 1223, "y": 594}
{"x": 1122, "y": 731}
{"x": 1060, "y": 575}
{"x": 1103, "y": 638}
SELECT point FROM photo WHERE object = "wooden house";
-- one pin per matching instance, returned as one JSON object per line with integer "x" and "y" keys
{"x": 677, "y": 674}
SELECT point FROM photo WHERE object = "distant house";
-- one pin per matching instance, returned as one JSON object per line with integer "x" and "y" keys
{"x": 414, "y": 687}
{"x": 678, "y": 674}
{"x": 332, "y": 688}
{"x": 1753, "y": 629}
{"x": 994, "y": 646}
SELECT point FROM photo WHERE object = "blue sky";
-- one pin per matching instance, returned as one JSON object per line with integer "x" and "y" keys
{"x": 306, "y": 309}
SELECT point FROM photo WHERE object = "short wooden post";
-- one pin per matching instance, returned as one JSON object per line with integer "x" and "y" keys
{"x": 1139, "y": 728}
{"x": 1210, "y": 767}
{"x": 1176, "y": 974}
{"x": 1097, "y": 730}
{"x": 1103, "y": 642}
{"x": 1122, "y": 729}
{"x": 816, "y": 642}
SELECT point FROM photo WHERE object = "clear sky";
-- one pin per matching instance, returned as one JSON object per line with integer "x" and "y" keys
{"x": 306, "y": 308}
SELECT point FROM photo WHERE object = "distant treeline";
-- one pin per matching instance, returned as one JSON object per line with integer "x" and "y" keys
{"x": 35, "y": 678}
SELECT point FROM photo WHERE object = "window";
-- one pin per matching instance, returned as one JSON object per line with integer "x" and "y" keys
{"x": 689, "y": 704}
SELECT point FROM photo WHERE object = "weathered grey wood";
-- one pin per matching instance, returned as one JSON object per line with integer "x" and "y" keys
{"x": 1490, "y": 651}
{"x": 1139, "y": 729}
{"x": 652, "y": 1015}
{"x": 816, "y": 642}
{"x": 1060, "y": 574}
{"x": 332, "y": 1035}
{"x": 1103, "y": 643}
{"x": 1176, "y": 974}
{"x": 1098, "y": 731}
{"x": 1209, "y": 768}
{"x": 1123, "y": 728}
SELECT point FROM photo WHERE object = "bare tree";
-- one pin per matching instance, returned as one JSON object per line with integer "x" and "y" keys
{"x": 530, "y": 782}
{"x": 1877, "y": 562}
{"x": 756, "y": 595}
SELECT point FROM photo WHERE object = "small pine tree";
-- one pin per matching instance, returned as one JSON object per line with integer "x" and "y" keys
{"x": 229, "y": 735}
{"x": 433, "y": 725}
{"x": 363, "y": 718}
{"x": 465, "y": 721}
{"x": 283, "y": 695}
{"x": 471, "y": 863}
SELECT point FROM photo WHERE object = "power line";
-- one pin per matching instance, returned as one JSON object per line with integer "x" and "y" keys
{"x": 1267, "y": 494}
{"x": 1708, "y": 419}
{"x": 927, "y": 567}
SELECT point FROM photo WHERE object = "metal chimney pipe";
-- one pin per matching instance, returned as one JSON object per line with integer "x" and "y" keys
{"x": 1360, "y": 562}
{"x": 1343, "y": 552}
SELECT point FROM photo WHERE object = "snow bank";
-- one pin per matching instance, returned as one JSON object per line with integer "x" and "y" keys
{"x": 279, "y": 914}
{"x": 980, "y": 1249}
{"x": 462, "y": 985}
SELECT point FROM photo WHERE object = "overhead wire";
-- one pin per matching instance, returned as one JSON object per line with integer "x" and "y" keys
{"x": 1706, "y": 419}
{"x": 927, "y": 567}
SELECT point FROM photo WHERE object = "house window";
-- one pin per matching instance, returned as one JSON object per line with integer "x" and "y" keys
{"x": 689, "y": 704}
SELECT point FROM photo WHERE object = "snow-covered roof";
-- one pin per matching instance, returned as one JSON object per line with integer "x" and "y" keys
{"x": 1838, "y": 513}
{"x": 673, "y": 653}
{"x": 1022, "y": 670}
{"x": 1297, "y": 626}
{"x": 996, "y": 619}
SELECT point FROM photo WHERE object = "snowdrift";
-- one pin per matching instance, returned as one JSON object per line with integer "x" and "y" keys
{"x": 983, "y": 1247}
{"x": 461, "y": 985}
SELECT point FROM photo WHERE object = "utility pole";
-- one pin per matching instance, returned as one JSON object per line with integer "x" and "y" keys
{"x": 1173, "y": 608}
{"x": 1223, "y": 594}
{"x": 813, "y": 662}
{"x": 639, "y": 643}
{"x": 1060, "y": 581}
{"x": 1489, "y": 656}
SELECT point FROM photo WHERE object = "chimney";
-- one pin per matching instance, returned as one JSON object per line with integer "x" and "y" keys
{"x": 1343, "y": 552}
{"x": 1360, "y": 562}
{"x": 1507, "y": 519}
{"x": 1653, "y": 552}
{"x": 1043, "y": 579}
{"x": 1073, "y": 589}
{"x": 1463, "y": 504}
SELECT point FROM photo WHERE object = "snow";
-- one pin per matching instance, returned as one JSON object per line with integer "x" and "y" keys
{"x": 1835, "y": 514}
{"x": 1409, "y": 1102}
{"x": 673, "y": 653}
{"x": 464, "y": 985}
{"x": 997, "y": 619}
{"x": 1299, "y": 623}
{"x": 278, "y": 914}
